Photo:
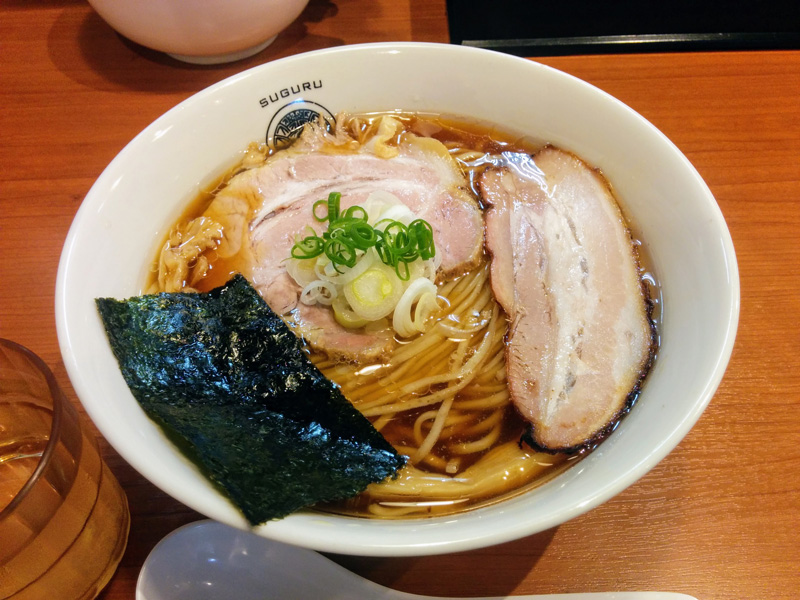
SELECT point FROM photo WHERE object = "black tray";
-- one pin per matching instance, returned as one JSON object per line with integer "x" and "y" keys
{"x": 531, "y": 27}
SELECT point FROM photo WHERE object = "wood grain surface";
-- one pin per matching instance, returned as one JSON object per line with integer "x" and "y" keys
{"x": 717, "y": 519}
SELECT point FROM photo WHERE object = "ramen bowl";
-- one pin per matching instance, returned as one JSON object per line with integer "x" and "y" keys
{"x": 147, "y": 186}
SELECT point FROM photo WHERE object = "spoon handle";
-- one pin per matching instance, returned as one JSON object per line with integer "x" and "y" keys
{"x": 579, "y": 596}
{"x": 395, "y": 595}
{"x": 211, "y": 561}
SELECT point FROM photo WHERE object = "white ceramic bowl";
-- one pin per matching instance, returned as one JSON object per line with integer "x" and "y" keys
{"x": 137, "y": 197}
{"x": 201, "y": 31}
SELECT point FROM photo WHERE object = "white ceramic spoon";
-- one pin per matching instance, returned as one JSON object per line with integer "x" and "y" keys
{"x": 210, "y": 561}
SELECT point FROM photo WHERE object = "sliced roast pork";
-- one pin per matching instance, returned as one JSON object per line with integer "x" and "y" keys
{"x": 564, "y": 269}
{"x": 281, "y": 193}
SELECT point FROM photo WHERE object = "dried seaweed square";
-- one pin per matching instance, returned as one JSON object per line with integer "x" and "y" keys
{"x": 230, "y": 384}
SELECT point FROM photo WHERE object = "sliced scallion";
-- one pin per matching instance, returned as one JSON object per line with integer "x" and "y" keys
{"x": 349, "y": 232}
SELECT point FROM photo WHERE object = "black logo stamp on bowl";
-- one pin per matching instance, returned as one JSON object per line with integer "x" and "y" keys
{"x": 287, "y": 123}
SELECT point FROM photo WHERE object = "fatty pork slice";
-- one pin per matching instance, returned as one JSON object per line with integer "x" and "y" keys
{"x": 418, "y": 171}
{"x": 565, "y": 271}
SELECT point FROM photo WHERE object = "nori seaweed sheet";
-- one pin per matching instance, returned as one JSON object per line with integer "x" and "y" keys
{"x": 230, "y": 384}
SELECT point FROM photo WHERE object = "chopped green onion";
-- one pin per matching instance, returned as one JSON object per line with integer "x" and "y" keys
{"x": 331, "y": 206}
{"x": 348, "y": 233}
{"x": 363, "y": 235}
{"x": 308, "y": 247}
{"x": 340, "y": 252}
{"x": 350, "y": 213}
{"x": 424, "y": 238}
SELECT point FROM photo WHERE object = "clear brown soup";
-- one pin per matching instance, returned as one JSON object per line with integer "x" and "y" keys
{"x": 477, "y": 458}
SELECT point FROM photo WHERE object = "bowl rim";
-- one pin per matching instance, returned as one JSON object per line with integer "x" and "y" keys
{"x": 436, "y": 535}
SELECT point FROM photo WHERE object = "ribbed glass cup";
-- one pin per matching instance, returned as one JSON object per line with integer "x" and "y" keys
{"x": 64, "y": 518}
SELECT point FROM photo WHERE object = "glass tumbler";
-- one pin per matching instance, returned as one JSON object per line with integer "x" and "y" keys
{"x": 64, "y": 518}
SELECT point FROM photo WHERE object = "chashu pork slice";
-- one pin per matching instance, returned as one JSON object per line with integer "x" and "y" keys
{"x": 564, "y": 269}
{"x": 281, "y": 193}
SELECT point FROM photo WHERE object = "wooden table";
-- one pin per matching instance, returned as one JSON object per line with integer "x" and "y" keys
{"x": 717, "y": 519}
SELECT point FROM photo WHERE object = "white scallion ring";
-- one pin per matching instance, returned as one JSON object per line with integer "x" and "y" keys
{"x": 403, "y": 319}
{"x": 318, "y": 292}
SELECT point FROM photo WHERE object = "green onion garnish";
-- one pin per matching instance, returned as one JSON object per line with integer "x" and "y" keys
{"x": 397, "y": 245}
